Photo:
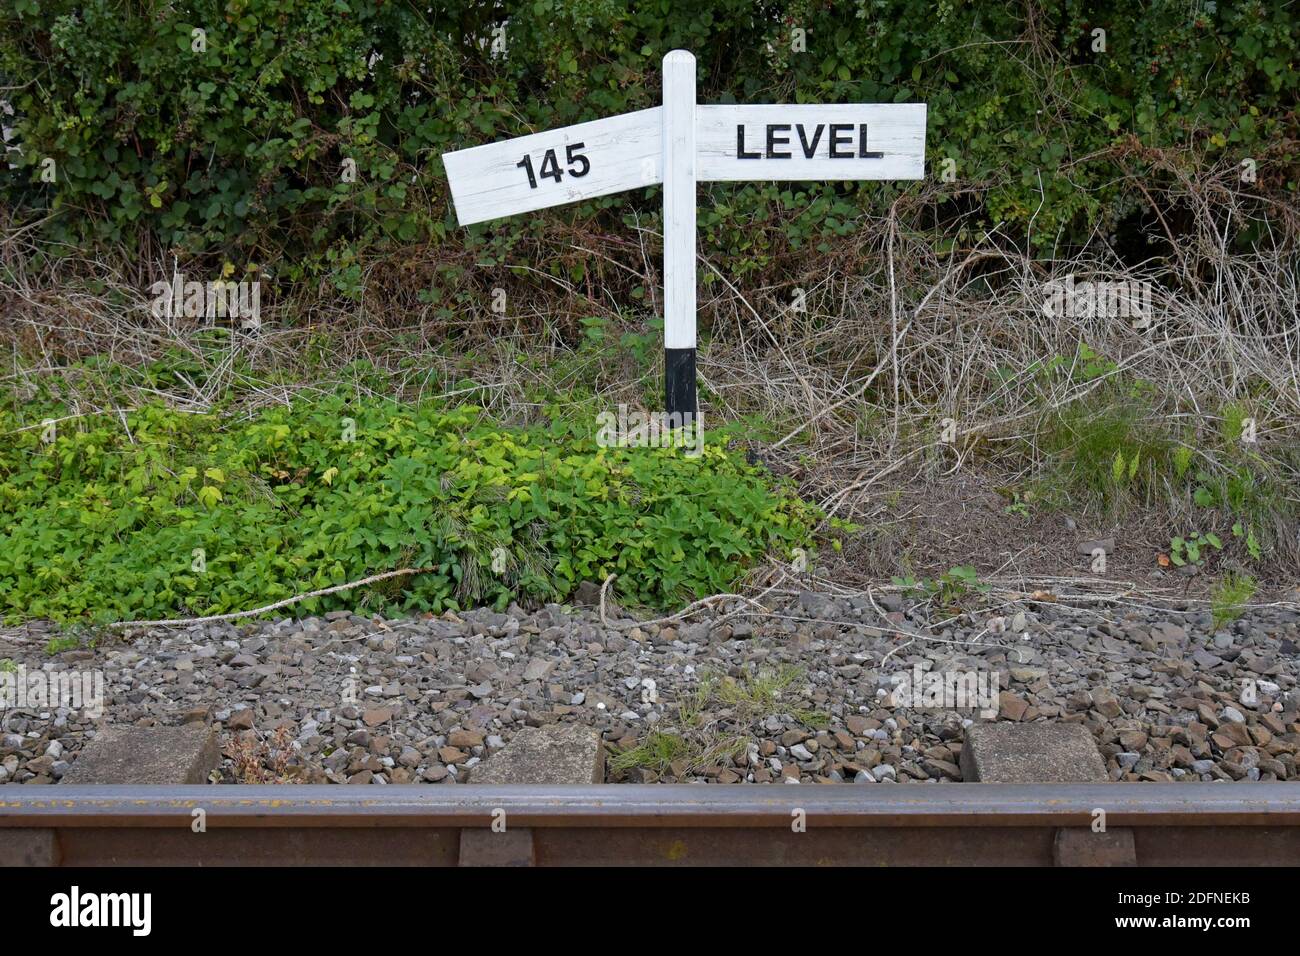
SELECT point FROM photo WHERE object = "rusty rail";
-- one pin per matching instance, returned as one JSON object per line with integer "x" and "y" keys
{"x": 958, "y": 824}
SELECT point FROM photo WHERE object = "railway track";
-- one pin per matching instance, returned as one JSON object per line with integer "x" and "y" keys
{"x": 1148, "y": 824}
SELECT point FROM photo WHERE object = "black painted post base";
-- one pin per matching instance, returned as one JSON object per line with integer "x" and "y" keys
{"x": 679, "y": 381}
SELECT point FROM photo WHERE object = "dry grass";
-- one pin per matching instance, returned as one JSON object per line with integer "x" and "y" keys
{"x": 257, "y": 759}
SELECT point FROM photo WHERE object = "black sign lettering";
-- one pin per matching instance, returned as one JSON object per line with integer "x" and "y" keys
{"x": 777, "y": 142}
{"x": 774, "y": 141}
{"x": 810, "y": 148}
{"x": 862, "y": 144}
{"x": 740, "y": 145}
{"x": 837, "y": 140}
{"x": 551, "y": 164}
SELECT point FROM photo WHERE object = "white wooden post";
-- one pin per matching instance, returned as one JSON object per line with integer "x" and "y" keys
{"x": 679, "y": 231}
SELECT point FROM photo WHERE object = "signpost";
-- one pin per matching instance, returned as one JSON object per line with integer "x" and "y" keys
{"x": 679, "y": 144}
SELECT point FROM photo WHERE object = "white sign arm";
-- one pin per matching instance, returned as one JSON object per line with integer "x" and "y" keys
{"x": 806, "y": 141}
{"x": 556, "y": 167}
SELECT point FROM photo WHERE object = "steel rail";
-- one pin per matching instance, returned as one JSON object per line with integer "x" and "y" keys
{"x": 954, "y": 824}
{"x": 622, "y": 805}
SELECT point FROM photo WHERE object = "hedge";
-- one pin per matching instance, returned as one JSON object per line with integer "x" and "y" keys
{"x": 231, "y": 142}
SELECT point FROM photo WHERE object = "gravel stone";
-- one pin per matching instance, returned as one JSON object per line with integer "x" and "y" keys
{"x": 351, "y": 699}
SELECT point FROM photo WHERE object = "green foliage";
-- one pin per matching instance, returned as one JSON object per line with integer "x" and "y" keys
{"x": 715, "y": 717}
{"x": 57, "y": 645}
{"x": 1233, "y": 423}
{"x": 1086, "y": 365}
{"x": 1247, "y": 534}
{"x": 756, "y": 691}
{"x": 171, "y": 514}
{"x": 1105, "y": 448}
{"x": 949, "y": 588}
{"x": 1231, "y": 595}
{"x": 657, "y": 752}
{"x": 1193, "y": 549}
{"x": 1114, "y": 448}
{"x": 1019, "y": 506}
{"x": 238, "y": 146}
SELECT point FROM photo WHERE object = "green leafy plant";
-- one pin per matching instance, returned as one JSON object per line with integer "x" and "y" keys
{"x": 957, "y": 582}
{"x": 1193, "y": 548}
{"x": 1202, "y": 495}
{"x": 1019, "y": 506}
{"x": 1232, "y": 424}
{"x": 699, "y": 738}
{"x": 1123, "y": 472}
{"x": 177, "y": 514}
{"x": 1247, "y": 535}
{"x": 1105, "y": 451}
{"x": 949, "y": 588}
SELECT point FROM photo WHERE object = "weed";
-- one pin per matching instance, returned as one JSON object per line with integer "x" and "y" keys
{"x": 757, "y": 691}
{"x": 256, "y": 760}
{"x": 1247, "y": 534}
{"x": 715, "y": 719}
{"x": 957, "y": 582}
{"x": 57, "y": 645}
{"x": 1106, "y": 453}
{"x": 657, "y": 752}
{"x": 816, "y": 719}
{"x": 1019, "y": 506}
{"x": 949, "y": 589}
{"x": 1232, "y": 422}
{"x": 1193, "y": 548}
{"x": 1231, "y": 594}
